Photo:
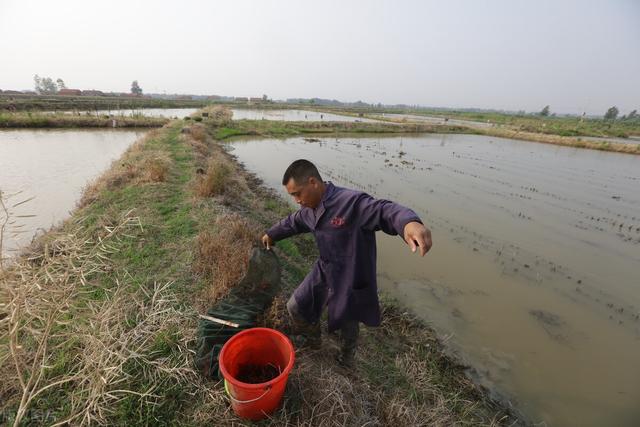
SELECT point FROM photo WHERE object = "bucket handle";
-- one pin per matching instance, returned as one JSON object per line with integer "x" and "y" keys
{"x": 226, "y": 388}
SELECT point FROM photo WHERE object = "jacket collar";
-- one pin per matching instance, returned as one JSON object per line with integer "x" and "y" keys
{"x": 328, "y": 194}
{"x": 328, "y": 191}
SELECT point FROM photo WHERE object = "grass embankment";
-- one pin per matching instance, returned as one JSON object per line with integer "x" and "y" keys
{"x": 566, "y": 131}
{"x": 550, "y": 125}
{"x": 275, "y": 128}
{"x": 27, "y": 102}
{"x": 46, "y": 120}
{"x": 99, "y": 317}
{"x": 541, "y": 134}
{"x": 283, "y": 129}
{"x": 567, "y": 141}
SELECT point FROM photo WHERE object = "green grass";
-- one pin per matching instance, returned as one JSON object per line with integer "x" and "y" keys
{"x": 272, "y": 205}
{"x": 165, "y": 343}
{"x": 551, "y": 125}
{"x": 285, "y": 129}
{"x": 289, "y": 247}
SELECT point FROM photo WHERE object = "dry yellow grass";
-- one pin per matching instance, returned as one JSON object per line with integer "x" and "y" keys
{"x": 222, "y": 255}
{"x": 199, "y": 147}
{"x": 198, "y": 133}
{"x": 155, "y": 169}
{"x": 215, "y": 181}
{"x": 407, "y": 390}
{"x": 218, "y": 113}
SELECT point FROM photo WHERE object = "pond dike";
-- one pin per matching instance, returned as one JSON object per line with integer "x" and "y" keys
{"x": 102, "y": 313}
{"x": 29, "y": 120}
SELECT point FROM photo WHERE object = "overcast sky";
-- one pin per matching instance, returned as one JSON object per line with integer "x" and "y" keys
{"x": 574, "y": 55}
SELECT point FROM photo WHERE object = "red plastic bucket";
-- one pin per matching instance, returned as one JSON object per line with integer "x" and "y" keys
{"x": 256, "y": 346}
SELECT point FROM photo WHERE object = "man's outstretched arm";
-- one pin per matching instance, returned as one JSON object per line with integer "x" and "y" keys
{"x": 394, "y": 219}
{"x": 287, "y": 227}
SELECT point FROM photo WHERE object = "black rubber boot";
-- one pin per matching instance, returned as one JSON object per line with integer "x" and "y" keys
{"x": 306, "y": 335}
{"x": 348, "y": 345}
{"x": 346, "y": 359}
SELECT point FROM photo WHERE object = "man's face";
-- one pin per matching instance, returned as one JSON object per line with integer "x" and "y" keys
{"x": 306, "y": 194}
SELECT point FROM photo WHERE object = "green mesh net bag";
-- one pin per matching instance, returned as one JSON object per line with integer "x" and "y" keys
{"x": 248, "y": 299}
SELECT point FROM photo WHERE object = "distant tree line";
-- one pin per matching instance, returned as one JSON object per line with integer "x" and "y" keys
{"x": 46, "y": 86}
{"x": 611, "y": 114}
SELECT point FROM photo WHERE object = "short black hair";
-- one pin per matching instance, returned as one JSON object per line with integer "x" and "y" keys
{"x": 300, "y": 171}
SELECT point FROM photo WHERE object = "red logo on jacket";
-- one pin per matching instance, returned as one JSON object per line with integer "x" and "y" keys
{"x": 337, "y": 221}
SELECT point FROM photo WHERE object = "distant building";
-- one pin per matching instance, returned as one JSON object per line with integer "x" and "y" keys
{"x": 214, "y": 97}
{"x": 12, "y": 92}
{"x": 29, "y": 92}
{"x": 241, "y": 99}
{"x": 92, "y": 93}
{"x": 70, "y": 92}
{"x": 255, "y": 100}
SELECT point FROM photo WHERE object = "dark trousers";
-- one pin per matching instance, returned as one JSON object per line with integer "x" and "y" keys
{"x": 349, "y": 330}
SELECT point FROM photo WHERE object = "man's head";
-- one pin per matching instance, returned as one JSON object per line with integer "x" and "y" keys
{"x": 303, "y": 182}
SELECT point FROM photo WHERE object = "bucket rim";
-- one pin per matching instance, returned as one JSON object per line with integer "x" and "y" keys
{"x": 229, "y": 378}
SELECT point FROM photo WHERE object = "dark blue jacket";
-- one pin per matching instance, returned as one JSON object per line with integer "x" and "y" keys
{"x": 344, "y": 277}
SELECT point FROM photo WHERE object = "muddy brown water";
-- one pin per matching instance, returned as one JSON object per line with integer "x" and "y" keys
{"x": 534, "y": 277}
{"x": 52, "y": 166}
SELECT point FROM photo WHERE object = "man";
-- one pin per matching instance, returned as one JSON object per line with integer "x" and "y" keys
{"x": 343, "y": 223}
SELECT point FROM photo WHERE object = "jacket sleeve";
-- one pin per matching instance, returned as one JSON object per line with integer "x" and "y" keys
{"x": 289, "y": 226}
{"x": 385, "y": 215}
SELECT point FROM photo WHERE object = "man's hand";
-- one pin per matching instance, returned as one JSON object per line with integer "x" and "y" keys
{"x": 417, "y": 236}
{"x": 267, "y": 242}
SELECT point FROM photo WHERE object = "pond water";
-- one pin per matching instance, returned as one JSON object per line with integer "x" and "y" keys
{"x": 238, "y": 114}
{"x": 533, "y": 279}
{"x": 416, "y": 118}
{"x": 52, "y": 166}
{"x": 294, "y": 115}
